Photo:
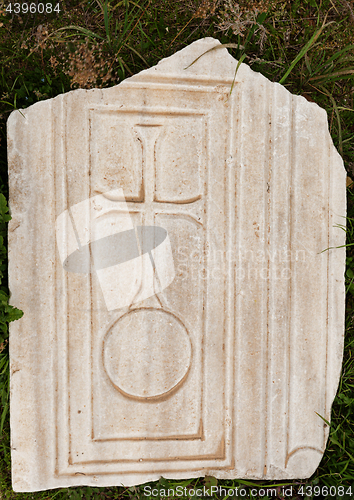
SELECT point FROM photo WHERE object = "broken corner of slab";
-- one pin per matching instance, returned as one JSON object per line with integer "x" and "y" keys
{"x": 212, "y": 344}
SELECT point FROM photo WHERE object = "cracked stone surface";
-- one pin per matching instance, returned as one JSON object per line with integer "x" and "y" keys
{"x": 183, "y": 315}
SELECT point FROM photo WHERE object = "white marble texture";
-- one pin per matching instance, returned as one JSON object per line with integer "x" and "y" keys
{"x": 222, "y": 371}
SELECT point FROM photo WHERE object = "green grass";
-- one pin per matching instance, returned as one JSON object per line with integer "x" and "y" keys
{"x": 307, "y": 45}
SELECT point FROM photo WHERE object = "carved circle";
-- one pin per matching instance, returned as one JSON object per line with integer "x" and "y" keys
{"x": 147, "y": 354}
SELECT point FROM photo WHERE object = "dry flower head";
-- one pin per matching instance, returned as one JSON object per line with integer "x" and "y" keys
{"x": 240, "y": 18}
{"x": 206, "y": 8}
{"x": 87, "y": 66}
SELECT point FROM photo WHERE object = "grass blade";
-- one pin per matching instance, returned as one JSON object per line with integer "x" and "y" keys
{"x": 238, "y": 65}
{"x": 4, "y": 413}
{"x": 340, "y": 138}
{"x": 137, "y": 53}
{"x": 85, "y": 31}
{"x": 106, "y": 22}
{"x": 217, "y": 47}
{"x": 303, "y": 51}
{"x": 333, "y": 75}
{"x": 132, "y": 29}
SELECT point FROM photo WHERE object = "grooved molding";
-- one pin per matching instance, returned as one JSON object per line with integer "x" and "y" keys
{"x": 173, "y": 248}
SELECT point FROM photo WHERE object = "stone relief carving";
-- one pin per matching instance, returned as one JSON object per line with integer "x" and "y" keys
{"x": 181, "y": 318}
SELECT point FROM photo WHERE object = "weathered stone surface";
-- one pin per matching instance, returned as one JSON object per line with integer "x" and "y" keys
{"x": 234, "y": 345}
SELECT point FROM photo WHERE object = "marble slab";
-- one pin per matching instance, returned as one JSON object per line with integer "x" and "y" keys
{"x": 183, "y": 315}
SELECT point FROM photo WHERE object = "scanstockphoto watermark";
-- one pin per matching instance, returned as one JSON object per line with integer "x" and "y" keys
{"x": 198, "y": 264}
{"x": 214, "y": 256}
{"x": 135, "y": 262}
{"x": 281, "y": 491}
{"x": 219, "y": 491}
{"x": 195, "y": 272}
{"x": 98, "y": 235}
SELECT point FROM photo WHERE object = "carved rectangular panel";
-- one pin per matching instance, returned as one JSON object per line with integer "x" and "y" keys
{"x": 181, "y": 317}
{"x": 132, "y": 412}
